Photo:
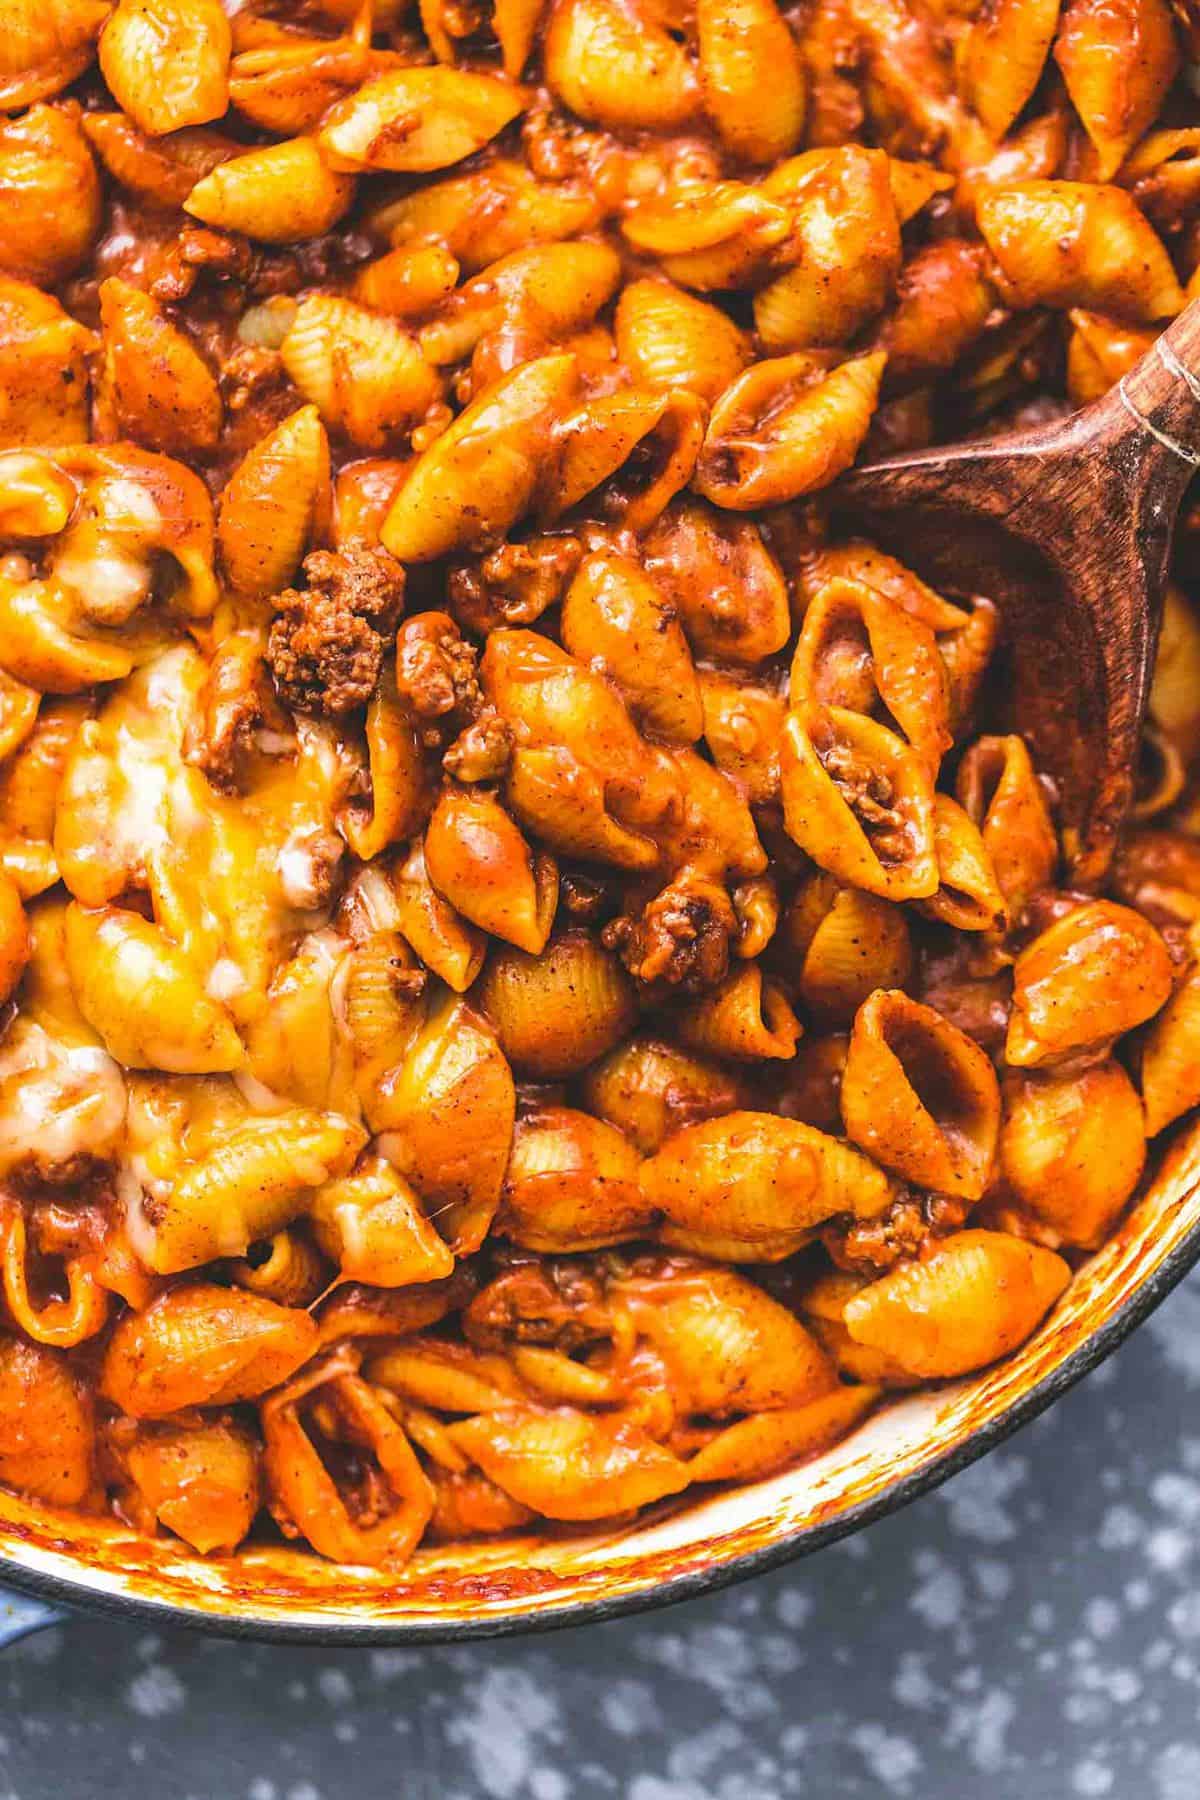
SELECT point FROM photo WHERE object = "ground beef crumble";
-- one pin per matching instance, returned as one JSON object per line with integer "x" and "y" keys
{"x": 680, "y": 937}
{"x": 904, "y": 1229}
{"x": 327, "y": 640}
{"x": 481, "y": 751}
{"x": 551, "y": 1301}
{"x": 436, "y": 668}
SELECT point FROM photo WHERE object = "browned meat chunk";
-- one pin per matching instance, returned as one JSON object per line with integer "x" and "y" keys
{"x": 327, "y": 640}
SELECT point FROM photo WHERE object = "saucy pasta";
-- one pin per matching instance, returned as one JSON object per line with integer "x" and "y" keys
{"x": 534, "y": 978}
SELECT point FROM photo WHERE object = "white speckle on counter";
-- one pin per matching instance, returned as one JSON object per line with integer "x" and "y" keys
{"x": 893, "y": 1760}
{"x": 1177, "y": 1772}
{"x": 977, "y": 1503}
{"x": 155, "y": 1692}
{"x": 510, "y": 1721}
{"x": 1091, "y": 1779}
{"x": 938, "y": 1599}
{"x": 335, "y": 1686}
{"x": 629, "y": 1707}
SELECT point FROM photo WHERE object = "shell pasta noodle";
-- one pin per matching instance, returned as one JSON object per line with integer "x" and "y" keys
{"x": 534, "y": 975}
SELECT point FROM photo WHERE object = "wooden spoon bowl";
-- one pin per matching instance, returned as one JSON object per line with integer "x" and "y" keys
{"x": 1068, "y": 529}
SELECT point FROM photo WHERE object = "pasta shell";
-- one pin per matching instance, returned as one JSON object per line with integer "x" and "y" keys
{"x": 364, "y": 373}
{"x": 201, "y": 1345}
{"x": 728, "y": 1346}
{"x": 752, "y": 76}
{"x": 612, "y": 68}
{"x": 348, "y": 1527}
{"x": 564, "y": 802}
{"x": 490, "y": 213}
{"x": 142, "y": 996}
{"x": 166, "y": 62}
{"x": 742, "y": 726}
{"x": 648, "y": 1089}
{"x": 567, "y": 1465}
{"x": 36, "y": 497}
{"x": 725, "y": 584}
{"x": 553, "y": 701}
{"x": 44, "y": 643}
{"x": 1099, "y": 352}
{"x": 572, "y": 1184}
{"x": 1074, "y": 243}
{"x": 29, "y": 787}
{"x": 287, "y": 87}
{"x": 446, "y": 1377}
{"x": 765, "y": 1442}
{"x": 479, "y": 862}
{"x": 614, "y": 618}
{"x": 407, "y": 283}
{"x": 1094, "y": 974}
{"x": 750, "y": 1186}
{"x": 727, "y": 235}
{"x": 944, "y": 300}
{"x": 921, "y": 1096}
{"x": 1170, "y": 1057}
{"x": 862, "y": 943}
{"x": 46, "y": 171}
{"x": 859, "y": 561}
{"x": 294, "y": 1045}
{"x": 43, "y": 370}
{"x": 977, "y": 1297}
{"x": 556, "y": 1012}
{"x": 1118, "y": 62}
{"x": 1002, "y": 57}
{"x": 47, "y": 1439}
{"x": 859, "y": 801}
{"x": 968, "y": 894}
{"x": 255, "y": 1180}
{"x": 293, "y": 1272}
{"x": 862, "y": 652}
{"x": 714, "y": 831}
{"x": 417, "y": 119}
{"x": 453, "y": 949}
{"x": 914, "y": 184}
{"x": 1073, "y": 1149}
{"x": 161, "y": 170}
{"x": 18, "y": 712}
{"x": 1001, "y": 795}
{"x": 786, "y": 428}
{"x": 372, "y": 1227}
{"x": 381, "y": 1000}
{"x": 45, "y": 45}
{"x": 746, "y": 1019}
{"x": 137, "y": 511}
{"x": 845, "y": 244}
{"x": 555, "y": 289}
{"x": 1175, "y": 689}
{"x": 516, "y": 23}
{"x": 400, "y": 794}
{"x": 274, "y": 195}
{"x": 162, "y": 391}
{"x": 668, "y": 339}
{"x": 446, "y": 1121}
{"x": 638, "y": 446}
{"x": 478, "y": 478}
{"x": 273, "y": 505}
{"x": 199, "y": 1481}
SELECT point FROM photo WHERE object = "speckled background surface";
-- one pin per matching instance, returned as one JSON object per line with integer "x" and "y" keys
{"x": 1031, "y": 1632}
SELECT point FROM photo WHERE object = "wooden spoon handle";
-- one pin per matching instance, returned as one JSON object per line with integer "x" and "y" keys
{"x": 1161, "y": 396}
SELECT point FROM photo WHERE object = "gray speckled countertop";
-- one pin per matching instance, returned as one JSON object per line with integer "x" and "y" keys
{"x": 1031, "y": 1632}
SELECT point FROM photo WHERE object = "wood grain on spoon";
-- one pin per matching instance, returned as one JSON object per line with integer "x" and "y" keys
{"x": 1068, "y": 529}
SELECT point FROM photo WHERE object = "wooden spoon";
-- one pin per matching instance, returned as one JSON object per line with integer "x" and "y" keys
{"x": 1068, "y": 529}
